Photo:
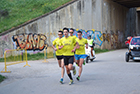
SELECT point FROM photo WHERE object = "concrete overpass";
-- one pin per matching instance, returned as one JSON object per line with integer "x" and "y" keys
{"x": 132, "y": 4}
{"x": 109, "y": 22}
{"x": 128, "y": 3}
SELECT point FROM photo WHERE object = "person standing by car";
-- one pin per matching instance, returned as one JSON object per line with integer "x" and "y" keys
{"x": 59, "y": 54}
{"x": 128, "y": 40}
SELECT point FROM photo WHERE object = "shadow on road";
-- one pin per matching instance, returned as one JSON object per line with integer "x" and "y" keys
{"x": 134, "y": 61}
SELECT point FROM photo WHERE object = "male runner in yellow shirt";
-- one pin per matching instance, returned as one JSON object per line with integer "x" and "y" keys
{"x": 80, "y": 52}
{"x": 67, "y": 44}
{"x": 59, "y": 54}
{"x": 71, "y": 34}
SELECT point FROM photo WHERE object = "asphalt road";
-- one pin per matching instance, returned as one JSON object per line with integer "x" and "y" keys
{"x": 107, "y": 74}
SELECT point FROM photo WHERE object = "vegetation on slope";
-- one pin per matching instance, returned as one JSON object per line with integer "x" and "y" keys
{"x": 16, "y": 12}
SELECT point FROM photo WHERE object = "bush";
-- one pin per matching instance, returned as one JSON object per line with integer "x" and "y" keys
{"x": 2, "y": 78}
{"x": 98, "y": 50}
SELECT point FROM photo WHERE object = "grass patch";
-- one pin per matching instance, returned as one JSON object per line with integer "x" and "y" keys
{"x": 37, "y": 56}
{"x": 2, "y": 78}
{"x": 97, "y": 50}
{"x": 1, "y": 59}
{"x": 40, "y": 56}
{"x": 20, "y": 11}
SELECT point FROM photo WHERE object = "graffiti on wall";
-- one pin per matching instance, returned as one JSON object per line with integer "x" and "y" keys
{"x": 106, "y": 37}
{"x": 30, "y": 41}
{"x": 113, "y": 38}
{"x": 4, "y": 44}
{"x": 95, "y": 35}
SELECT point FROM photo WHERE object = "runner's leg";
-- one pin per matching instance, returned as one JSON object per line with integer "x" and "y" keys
{"x": 80, "y": 66}
{"x": 81, "y": 61}
{"x": 68, "y": 72}
{"x": 59, "y": 63}
{"x": 91, "y": 52}
{"x": 70, "y": 65}
{"x": 77, "y": 62}
{"x": 63, "y": 69}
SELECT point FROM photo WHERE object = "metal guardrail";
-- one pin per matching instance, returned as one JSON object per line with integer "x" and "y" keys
{"x": 14, "y": 56}
{"x": 48, "y": 55}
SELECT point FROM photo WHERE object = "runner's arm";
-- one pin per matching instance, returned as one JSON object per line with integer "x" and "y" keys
{"x": 60, "y": 47}
{"x": 54, "y": 48}
{"x": 86, "y": 45}
{"x": 53, "y": 45}
{"x": 76, "y": 47}
{"x": 86, "y": 42}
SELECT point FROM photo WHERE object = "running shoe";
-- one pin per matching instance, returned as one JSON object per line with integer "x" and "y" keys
{"x": 78, "y": 78}
{"x": 61, "y": 80}
{"x": 71, "y": 82}
{"x": 74, "y": 70}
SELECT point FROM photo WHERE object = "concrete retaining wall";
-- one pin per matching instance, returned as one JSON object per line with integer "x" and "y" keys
{"x": 105, "y": 20}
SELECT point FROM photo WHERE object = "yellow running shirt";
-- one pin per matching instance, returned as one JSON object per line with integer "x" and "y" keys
{"x": 68, "y": 45}
{"x": 82, "y": 43}
{"x": 56, "y": 42}
{"x": 74, "y": 38}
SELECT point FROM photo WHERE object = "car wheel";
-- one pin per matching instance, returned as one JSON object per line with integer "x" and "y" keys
{"x": 87, "y": 59}
{"x": 126, "y": 57}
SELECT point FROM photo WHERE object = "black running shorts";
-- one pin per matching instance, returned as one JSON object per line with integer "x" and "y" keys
{"x": 68, "y": 60}
{"x": 91, "y": 46}
{"x": 59, "y": 57}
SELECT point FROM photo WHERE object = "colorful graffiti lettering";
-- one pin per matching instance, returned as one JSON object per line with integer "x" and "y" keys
{"x": 95, "y": 35}
{"x": 98, "y": 38}
{"x": 106, "y": 37}
{"x": 30, "y": 41}
{"x": 113, "y": 38}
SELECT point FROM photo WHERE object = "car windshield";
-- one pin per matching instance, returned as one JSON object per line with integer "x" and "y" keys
{"x": 135, "y": 41}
